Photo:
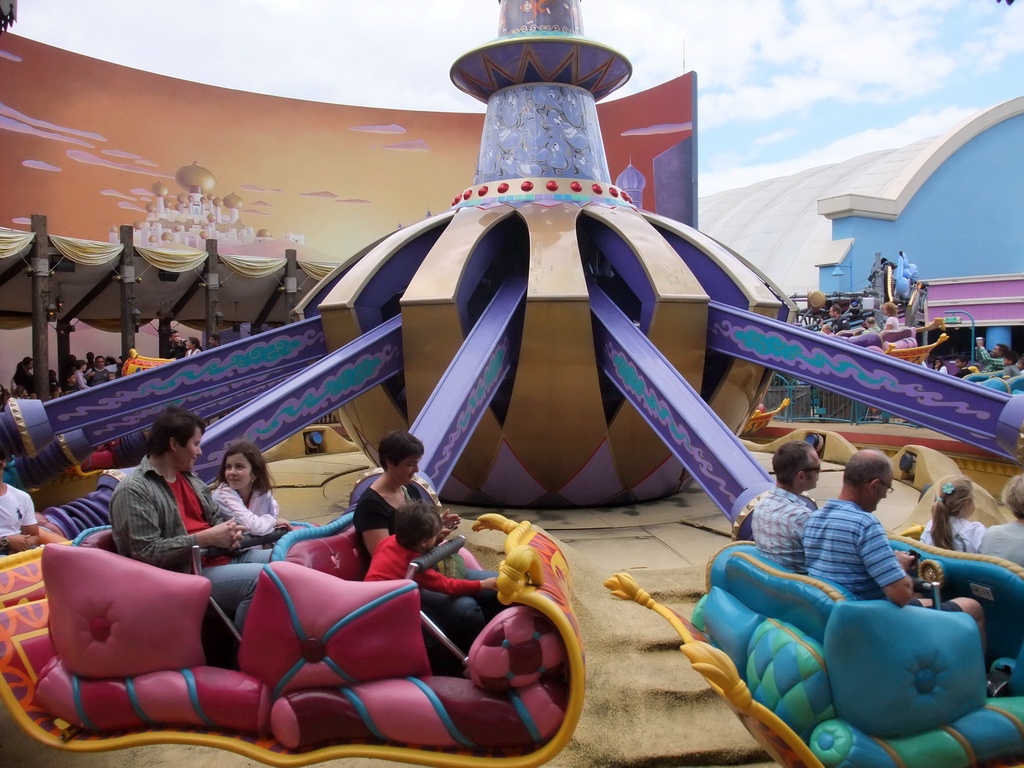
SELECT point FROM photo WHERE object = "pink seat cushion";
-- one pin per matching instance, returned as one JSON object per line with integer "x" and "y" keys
{"x": 203, "y": 697}
{"x": 517, "y": 648}
{"x": 111, "y": 616}
{"x": 436, "y": 712}
{"x": 306, "y": 629}
{"x": 339, "y": 555}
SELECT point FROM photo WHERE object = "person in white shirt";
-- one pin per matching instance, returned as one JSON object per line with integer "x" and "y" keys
{"x": 951, "y": 526}
{"x": 244, "y": 489}
{"x": 1007, "y": 540}
{"x": 19, "y": 530}
{"x": 192, "y": 346}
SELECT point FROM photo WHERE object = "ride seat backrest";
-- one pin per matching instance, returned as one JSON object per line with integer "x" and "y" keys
{"x": 338, "y": 555}
{"x": 111, "y": 616}
{"x": 306, "y": 629}
{"x": 997, "y": 584}
{"x": 783, "y": 668}
{"x": 786, "y": 672}
{"x": 923, "y": 668}
{"x": 796, "y": 599}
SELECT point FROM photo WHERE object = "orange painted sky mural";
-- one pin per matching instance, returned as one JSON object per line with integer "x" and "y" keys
{"x": 82, "y": 141}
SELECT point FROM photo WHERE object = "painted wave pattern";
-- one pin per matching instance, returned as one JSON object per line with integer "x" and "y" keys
{"x": 635, "y": 384}
{"x": 480, "y": 395}
{"x": 238, "y": 363}
{"x": 333, "y": 388}
{"x": 771, "y": 346}
{"x": 138, "y": 419}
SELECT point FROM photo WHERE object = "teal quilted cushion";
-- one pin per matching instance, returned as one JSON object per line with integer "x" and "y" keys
{"x": 786, "y": 674}
{"x": 902, "y": 671}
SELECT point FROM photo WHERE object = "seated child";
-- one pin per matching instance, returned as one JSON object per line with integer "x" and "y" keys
{"x": 951, "y": 526}
{"x": 460, "y": 607}
{"x": 417, "y": 526}
{"x": 244, "y": 489}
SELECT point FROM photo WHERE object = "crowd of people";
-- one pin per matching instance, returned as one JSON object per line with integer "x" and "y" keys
{"x": 177, "y": 347}
{"x": 76, "y": 374}
{"x": 1001, "y": 360}
{"x": 867, "y": 333}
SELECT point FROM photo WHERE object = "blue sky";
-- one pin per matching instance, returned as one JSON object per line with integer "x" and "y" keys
{"x": 782, "y": 85}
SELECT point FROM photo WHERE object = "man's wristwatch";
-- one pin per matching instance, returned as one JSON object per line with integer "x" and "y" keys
{"x": 4, "y": 544}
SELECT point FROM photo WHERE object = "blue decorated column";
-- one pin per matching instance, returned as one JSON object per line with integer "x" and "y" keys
{"x": 541, "y": 79}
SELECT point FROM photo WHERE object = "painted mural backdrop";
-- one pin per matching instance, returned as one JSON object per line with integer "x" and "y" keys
{"x": 93, "y": 145}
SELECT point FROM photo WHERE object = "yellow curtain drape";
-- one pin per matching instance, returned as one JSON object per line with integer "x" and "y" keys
{"x": 253, "y": 266}
{"x": 13, "y": 242}
{"x": 110, "y": 326}
{"x": 14, "y": 322}
{"x": 173, "y": 259}
{"x": 86, "y": 252}
{"x": 318, "y": 270}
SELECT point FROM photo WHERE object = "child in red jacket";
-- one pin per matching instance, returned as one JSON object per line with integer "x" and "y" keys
{"x": 417, "y": 528}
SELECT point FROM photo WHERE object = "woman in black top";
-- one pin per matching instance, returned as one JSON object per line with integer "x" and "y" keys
{"x": 461, "y": 617}
{"x": 374, "y": 516}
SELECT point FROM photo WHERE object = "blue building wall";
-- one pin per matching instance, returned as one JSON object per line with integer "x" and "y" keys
{"x": 967, "y": 219}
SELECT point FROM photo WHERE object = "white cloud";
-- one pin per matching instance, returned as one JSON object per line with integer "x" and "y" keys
{"x": 729, "y": 172}
{"x": 775, "y": 138}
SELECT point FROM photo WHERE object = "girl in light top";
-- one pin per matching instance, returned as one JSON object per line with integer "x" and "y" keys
{"x": 244, "y": 489}
{"x": 892, "y": 316}
{"x": 951, "y": 526}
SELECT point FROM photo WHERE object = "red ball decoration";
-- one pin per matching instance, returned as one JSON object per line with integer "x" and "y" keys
{"x": 552, "y": 186}
{"x": 482, "y": 191}
{"x": 598, "y": 189}
{"x": 502, "y": 188}
{"x": 614, "y": 191}
{"x": 576, "y": 187}
{"x": 467, "y": 194}
{"x": 526, "y": 186}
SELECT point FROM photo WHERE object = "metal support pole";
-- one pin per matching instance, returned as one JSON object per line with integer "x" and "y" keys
{"x": 129, "y": 309}
{"x": 40, "y": 303}
{"x": 64, "y": 331}
{"x": 291, "y": 271}
{"x": 212, "y": 280}
{"x": 163, "y": 332}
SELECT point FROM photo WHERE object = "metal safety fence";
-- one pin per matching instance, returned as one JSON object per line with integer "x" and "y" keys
{"x": 810, "y": 403}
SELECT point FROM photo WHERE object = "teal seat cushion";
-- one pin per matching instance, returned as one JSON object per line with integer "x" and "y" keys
{"x": 901, "y": 671}
{"x": 795, "y": 599}
{"x": 990, "y": 733}
{"x": 786, "y": 674}
{"x": 730, "y": 625}
{"x": 995, "y": 730}
{"x": 837, "y": 745}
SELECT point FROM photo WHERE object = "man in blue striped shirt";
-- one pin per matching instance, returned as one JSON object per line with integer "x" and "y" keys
{"x": 845, "y": 543}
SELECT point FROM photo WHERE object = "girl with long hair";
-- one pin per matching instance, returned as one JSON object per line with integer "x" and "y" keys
{"x": 244, "y": 489}
{"x": 951, "y": 526}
